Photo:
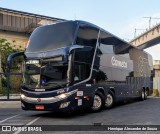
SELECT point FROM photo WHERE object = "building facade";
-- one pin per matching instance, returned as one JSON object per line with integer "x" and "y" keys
{"x": 156, "y": 64}
{"x": 16, "y": 26}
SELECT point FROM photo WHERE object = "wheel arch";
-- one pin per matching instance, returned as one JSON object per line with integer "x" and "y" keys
{"x": 101, "y": 89}
{"x": 112, "y": 90}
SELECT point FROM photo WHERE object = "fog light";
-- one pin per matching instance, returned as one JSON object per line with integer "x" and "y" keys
{"x": 65, "y": 104}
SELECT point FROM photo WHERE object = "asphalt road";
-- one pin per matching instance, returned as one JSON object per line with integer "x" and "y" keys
{"x": 134, "y": 113}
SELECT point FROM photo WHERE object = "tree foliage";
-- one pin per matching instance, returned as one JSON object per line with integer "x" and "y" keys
{"x": 5, "y": 50}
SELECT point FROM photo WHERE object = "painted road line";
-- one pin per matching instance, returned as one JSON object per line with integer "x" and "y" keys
{"x": 30, "y": 123}
{"x": 9, "y": 118}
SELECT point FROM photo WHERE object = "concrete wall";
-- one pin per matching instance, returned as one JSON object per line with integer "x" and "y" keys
{"x": 15, "y": 38}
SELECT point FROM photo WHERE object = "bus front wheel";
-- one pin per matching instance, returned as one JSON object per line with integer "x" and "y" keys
{"x": 98, "y": 102}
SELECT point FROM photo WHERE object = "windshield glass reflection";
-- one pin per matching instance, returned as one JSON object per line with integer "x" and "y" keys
{"x": 45, "y": 73}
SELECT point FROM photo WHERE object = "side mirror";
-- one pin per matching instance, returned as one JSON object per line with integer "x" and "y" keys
{"x": 75, "y": 47}
{"x": 10, "y": 57}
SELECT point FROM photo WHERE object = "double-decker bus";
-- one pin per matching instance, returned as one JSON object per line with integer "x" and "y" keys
{"x": 75, "y": 65}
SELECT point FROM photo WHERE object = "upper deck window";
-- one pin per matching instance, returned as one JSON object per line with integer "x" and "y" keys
{"x": 87, "y": 35}
{"x": 109, "y": 44}
{"x": 106, "y": 43}
{"x": 51, "y": 37}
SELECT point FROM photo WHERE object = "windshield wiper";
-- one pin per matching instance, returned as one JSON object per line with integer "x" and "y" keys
{"x": 53, "y": 83}
{"x": 65, "y": 83}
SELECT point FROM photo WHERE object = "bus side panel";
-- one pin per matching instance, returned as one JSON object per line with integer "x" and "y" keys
{"x": 142, "y": 66}
{"x": 113, "y": 75}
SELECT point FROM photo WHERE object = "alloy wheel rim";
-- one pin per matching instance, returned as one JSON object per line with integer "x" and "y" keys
{"x": 109, "y": 100}
{"x": 146, "y": 94}
{"x": 97, "y": 102}
{"x": 143, "y": 95}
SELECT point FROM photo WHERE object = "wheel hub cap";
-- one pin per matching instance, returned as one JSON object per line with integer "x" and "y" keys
{"x": 109, "y": 99}
{"x": 97, "y": 102}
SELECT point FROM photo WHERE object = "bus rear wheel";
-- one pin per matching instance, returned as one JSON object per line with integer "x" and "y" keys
{"x": 143, "y": 95}
{"x": 109, "y": 101}
{"x": 98, "y": 102}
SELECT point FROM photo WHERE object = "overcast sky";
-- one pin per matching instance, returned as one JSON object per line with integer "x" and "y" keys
{"x": 119, "y": 17}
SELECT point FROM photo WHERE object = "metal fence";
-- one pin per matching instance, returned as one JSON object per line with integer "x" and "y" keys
{"x": 10, "y": 85}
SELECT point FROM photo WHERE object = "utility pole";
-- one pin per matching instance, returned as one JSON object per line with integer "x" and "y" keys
{"x": 135, "y": 32}
{"x": 150, "y": 19}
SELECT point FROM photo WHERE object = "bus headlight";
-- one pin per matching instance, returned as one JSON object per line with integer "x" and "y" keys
{"x": 22, "y": 96}
{"x": 62, "y": 96}
{"x": 65, "y": 95}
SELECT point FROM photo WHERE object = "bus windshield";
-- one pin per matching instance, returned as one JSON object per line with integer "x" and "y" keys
{"x": 48, "y": 73}
{"x": 51, "y": 37}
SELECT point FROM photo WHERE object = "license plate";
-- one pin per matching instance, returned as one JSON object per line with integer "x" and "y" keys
{"x": 39, "y": 107}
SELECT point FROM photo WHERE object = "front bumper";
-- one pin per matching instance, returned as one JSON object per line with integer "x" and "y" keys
{"x": 63, "y": 102}
{"x": 48, "y": 106}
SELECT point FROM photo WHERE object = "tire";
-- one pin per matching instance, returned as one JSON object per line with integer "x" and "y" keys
{"x": 109, "y": 102}
{"x": 98, "y": 102}
{"x": 146, "y": 94}
{"x": 142, "y": 95}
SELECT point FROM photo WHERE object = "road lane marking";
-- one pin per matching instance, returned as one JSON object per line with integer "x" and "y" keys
{"x": 9, "y": 118}
{"x": 30, "y": 123}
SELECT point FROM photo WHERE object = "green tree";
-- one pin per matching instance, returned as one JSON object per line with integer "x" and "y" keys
{"x": 5, "y": 50}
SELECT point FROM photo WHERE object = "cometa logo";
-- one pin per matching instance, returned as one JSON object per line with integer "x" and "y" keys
{"x": 118, "y": 63}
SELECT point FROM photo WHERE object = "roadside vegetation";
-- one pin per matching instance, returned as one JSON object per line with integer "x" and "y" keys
{"x": 6, "y": 49}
